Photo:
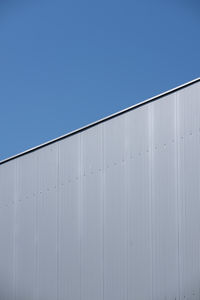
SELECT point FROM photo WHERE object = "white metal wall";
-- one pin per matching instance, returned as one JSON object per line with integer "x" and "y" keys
{"x": 110, "y": 213}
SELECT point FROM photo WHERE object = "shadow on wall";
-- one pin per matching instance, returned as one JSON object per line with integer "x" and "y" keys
{"x": 6, "y": 293}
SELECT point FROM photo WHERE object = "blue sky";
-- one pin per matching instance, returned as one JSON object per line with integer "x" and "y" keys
{"x": 64, "y": 64}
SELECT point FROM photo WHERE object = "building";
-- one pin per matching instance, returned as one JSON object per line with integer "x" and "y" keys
{"x": 110, "y": 211}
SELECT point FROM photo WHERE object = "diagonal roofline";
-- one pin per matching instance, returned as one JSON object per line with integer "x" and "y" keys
{"x": 102, "y": 120}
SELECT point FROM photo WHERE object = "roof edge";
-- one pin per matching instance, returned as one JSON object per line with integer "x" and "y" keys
{"x": 101, "y": 120}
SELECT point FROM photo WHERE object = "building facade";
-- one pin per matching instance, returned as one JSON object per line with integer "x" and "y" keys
{"x": 110, "y": 211}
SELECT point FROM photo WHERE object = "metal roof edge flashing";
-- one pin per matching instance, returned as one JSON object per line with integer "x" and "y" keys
{"x": 102, "y": 120}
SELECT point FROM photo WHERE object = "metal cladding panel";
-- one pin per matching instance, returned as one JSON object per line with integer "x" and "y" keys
{"x": 189, "y": 190}
{"x": 109, "y": 213}
{"x": 115, "y": 211}
{"x": 164, "y": 199}
{"x": 138, "y": 195}
{"x": 25, "y": 237}
{"x": 92, "y": 214}
{"x": 47, "y": 221}
{"x": 7, "y": 228}
{"x": 69, "y": 238}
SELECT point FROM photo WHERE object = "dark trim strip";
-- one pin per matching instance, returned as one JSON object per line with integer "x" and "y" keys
{"x": 101, "y": 120}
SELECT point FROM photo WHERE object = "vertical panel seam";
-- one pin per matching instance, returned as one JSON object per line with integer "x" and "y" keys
{"x": 126, "y": 184}
{"x": 151, "y": 198}
{"x": 15, "y": 229}
{"x": 58, "y": 223}
{"x": 103, "y": 211}
{"x": 37, "y": 229}
{"x": 80, "y": 210}
{"x": 177, "y": 186}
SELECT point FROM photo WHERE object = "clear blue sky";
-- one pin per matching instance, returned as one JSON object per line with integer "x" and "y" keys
{"x": 64, "y": 64}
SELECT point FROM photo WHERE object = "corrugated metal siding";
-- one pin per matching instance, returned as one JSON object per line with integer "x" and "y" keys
{"x": 110, "y": 213}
